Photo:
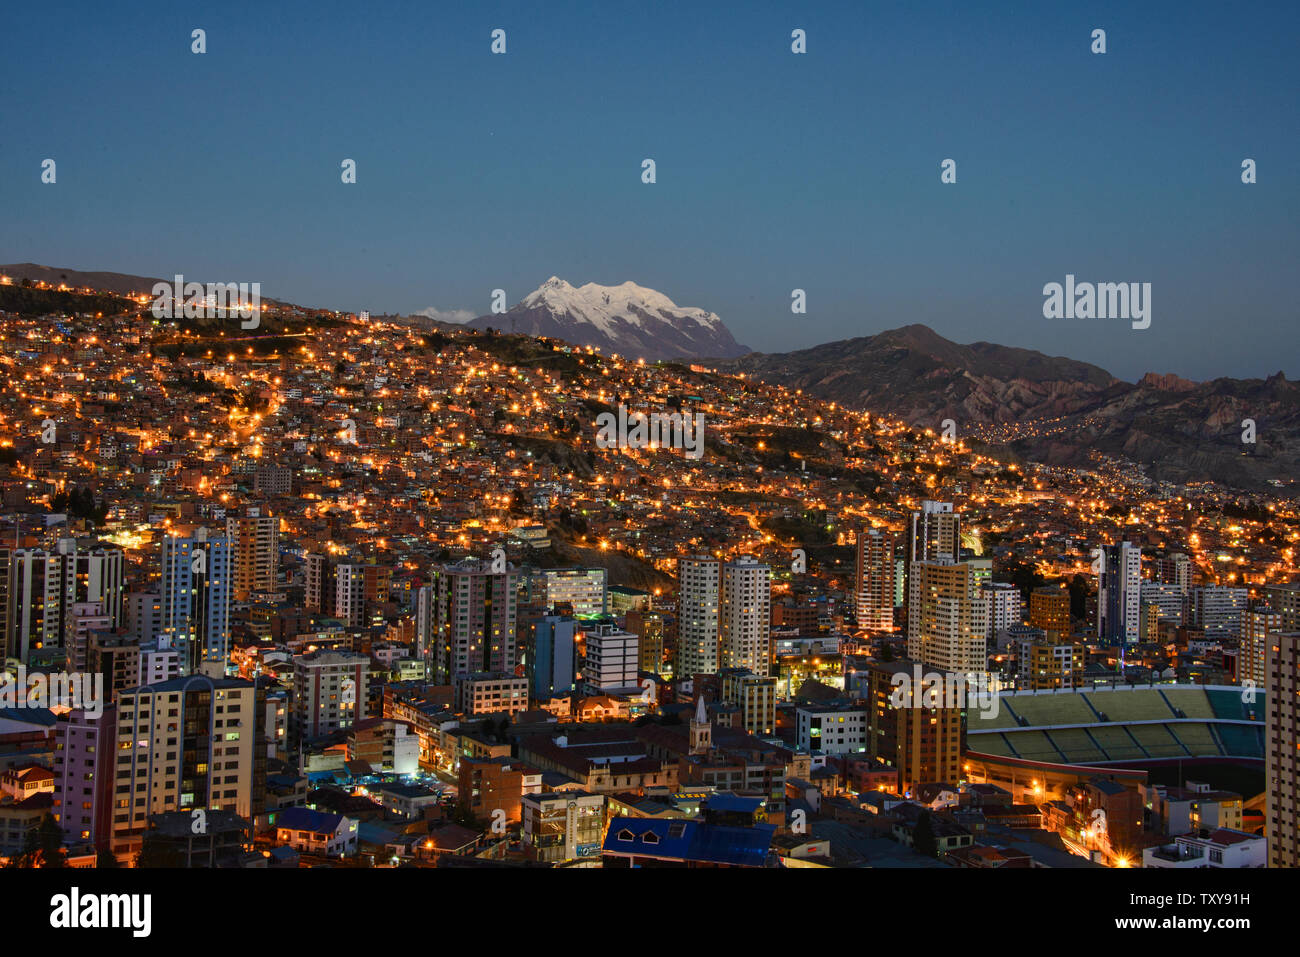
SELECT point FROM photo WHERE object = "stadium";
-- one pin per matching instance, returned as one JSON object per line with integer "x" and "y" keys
{"x": 1041, "y": 742}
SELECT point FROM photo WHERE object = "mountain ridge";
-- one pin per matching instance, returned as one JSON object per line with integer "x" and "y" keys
{"x": 1052, "y": 408}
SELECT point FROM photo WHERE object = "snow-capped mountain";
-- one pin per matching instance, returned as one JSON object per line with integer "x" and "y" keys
{"x": 627, "y": 319}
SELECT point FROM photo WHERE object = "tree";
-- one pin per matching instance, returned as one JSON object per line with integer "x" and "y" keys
{"x": 1079, "y": 590}
{"x": 923, "y": 839}
{"x": 43, "y": 847}
{"x": 155, "y": 853}
{"x": 106, "y": 858}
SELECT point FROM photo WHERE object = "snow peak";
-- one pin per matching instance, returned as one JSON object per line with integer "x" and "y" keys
{"x": 73, "y": 911}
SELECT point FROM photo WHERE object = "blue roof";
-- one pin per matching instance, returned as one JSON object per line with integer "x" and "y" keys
{"x": 329, "y": 777}
{"x": 41, "y": 716}
{"x": 305, "y": 819}
{"x": 690, "y": 841}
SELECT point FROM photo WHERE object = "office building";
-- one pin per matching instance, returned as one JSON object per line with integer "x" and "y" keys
{"x": 610, "y": 659}
{"x": 550, "y": 656}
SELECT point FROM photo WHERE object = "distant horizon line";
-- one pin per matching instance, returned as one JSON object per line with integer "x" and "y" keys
{"x": 750, "y": 352}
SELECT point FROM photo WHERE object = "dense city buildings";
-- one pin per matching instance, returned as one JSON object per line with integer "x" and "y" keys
{"x": 448, "y": 635}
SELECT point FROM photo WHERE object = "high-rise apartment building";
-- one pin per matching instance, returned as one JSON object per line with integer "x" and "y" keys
{"x": 583, "y": 590}
{"x": 329, "y": 693}
{"x": 1000, "y": 607}
{"x": 196, "y": 596}
{"x": 754, "y": 696}
{"x": 1285, "y": 600}
{"x": 1262, "y": 624}
{"x": 144, "y": 614}
{"x": 255, "y": 544}
{"x": 936, "y": 533}
{"x": 873, "y": 579}
{"x": 924, "y": 744}
{"x": 610, "y": 659}
{"x": 474, "y": 617}
{"x": 1169, "y": 600}
{"x": 650, "y": 628}
{"x": 193, "y": 742}
{"x": 1049, "y": 610}
{"x": 1219, "y": 610}
{"x": 357, "y": 588}
{"x": 941, "y": 624}
{"x": 698, "y": 581}
{"x": 317, "y": 574}
{"x": 350, "y": 595}
{"x": 42, "y": 587}
{"x": 1282, "y": 765}
{"x": 1046, "y": 661}
{"x": 745, "y": 615}
{"x": 1175, "y": 570}
{"x": 1119, "y": 593}
{"x": 84, "y": 775}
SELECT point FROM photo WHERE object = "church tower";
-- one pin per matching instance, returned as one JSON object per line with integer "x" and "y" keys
{"x": 701, "y": 730}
